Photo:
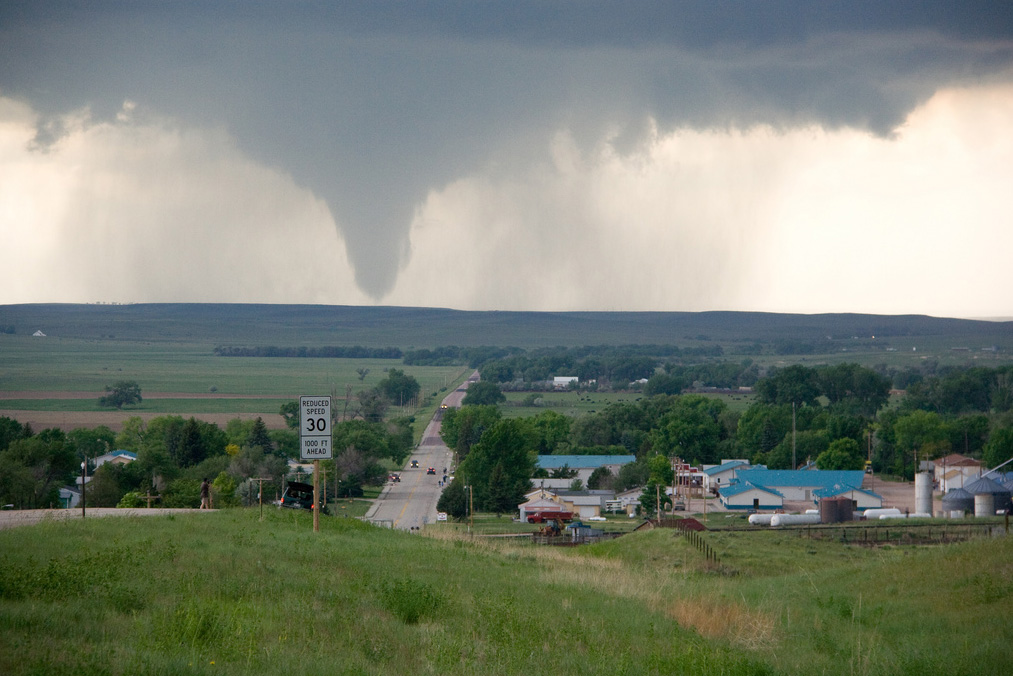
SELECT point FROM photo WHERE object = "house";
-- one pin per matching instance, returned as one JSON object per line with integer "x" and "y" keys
{"x": 70, "y": 497}
{"x": 801, "y": 485}
{"x": 563, "y": 382}
{"x": 744, "y": 495}
{"x": 954, "y": 471}
{"x": 583, "y": 504}
{"x": 584, "y": 465}
{"x": 547, "y": 504}
{"x": 716, "y": 476}
{"x": 628, "y": 501}
{"x": 115, "y": 457}
{"x": 861, "y": 499}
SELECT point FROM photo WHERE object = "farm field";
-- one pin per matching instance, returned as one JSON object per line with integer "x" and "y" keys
{"x": 221, "y": 589}
{"x": 58, "y": 382}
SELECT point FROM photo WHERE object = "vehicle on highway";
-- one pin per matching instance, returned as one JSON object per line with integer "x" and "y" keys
{"x": 299, "y": 496}
{"x": 431, "y": 470}
{"x": 415, "y": 464}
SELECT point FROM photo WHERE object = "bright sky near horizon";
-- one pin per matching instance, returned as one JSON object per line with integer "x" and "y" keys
{"x": 784, "y": 156}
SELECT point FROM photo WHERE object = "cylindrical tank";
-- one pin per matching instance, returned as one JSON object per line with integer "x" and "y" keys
{"x": 958, "y": 500}
{"x": 877, "y": 512}
{"x": 760, "y": 519}
{"x": 923, "y": 493}
{"x": 984, "y": 504}
{"x": 793, "y": 519}
{"x": 1000, "y": 496}
{"x": 836, "y": 510}
{"x": 915, "y": 515}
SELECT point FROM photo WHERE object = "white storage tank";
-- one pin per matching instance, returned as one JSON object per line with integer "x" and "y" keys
{"x": 760, "y": 519}
{"x": 923, "y": 493}
{"x": 877, "y": 512}
{"x": 915, "y": 515}
{"x": 793, "y": 519}
{"x": 984, "y": 504}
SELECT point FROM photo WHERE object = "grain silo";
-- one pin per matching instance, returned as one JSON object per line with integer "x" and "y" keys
{"x": 923, "y": 493}
{"x": 957, "y": 503}
{"x": 1000, "y": 499}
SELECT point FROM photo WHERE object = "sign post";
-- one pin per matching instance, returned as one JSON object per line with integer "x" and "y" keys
{"x": 315, "y": 441}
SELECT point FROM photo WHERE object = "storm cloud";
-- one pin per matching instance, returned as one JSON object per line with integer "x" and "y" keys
{"x": 647, "y": 146}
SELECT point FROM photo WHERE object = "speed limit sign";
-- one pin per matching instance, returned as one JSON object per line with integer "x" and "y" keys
{"x": 315, "y": 428}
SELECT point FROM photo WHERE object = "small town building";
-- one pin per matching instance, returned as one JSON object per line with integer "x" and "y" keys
{"x": 716, "y": 476}
{"x": 744, "y": 495}
{"x": 954, "y": 471}
{"x": 802, "y": 485}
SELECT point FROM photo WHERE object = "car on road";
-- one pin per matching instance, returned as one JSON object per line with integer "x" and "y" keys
{"x": 415, "y": 464}
{"x": 431, "y": 470}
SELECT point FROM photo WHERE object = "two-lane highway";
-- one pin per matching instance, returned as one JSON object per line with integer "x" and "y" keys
{"x": 411, "y": 503}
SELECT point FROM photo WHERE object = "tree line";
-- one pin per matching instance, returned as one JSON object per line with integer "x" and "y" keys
{"x": 326, "y": 352}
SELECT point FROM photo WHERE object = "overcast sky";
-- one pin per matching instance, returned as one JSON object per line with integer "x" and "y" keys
{"x": 775, "y": 156}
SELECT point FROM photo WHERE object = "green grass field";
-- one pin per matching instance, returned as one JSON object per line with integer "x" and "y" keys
{"x": 226, "y": 593}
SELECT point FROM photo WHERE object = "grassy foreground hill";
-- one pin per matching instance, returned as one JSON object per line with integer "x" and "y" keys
{"x": 226, "y": 593}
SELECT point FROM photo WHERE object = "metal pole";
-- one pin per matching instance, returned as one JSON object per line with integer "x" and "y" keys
{"x": 316, "y": 496}
{"x": 84, "y": 468}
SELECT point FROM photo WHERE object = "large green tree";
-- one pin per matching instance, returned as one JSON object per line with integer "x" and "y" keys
{"x": 793, "y": 384}
{"x": 399, "y": 388}
{"x": 123, "y": 393}
{"x": 463, "y": 427}
{"x": 999, "y": 448}
{"x": 500, "y": 465}
{"x": 483, "y": 393}
{"x": 842, "y": 454}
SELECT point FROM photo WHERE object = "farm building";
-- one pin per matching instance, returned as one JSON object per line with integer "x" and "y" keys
{"x": 563, "y": 382}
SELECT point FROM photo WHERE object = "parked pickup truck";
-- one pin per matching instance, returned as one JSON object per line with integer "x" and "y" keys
{"x": 539, "y": 517}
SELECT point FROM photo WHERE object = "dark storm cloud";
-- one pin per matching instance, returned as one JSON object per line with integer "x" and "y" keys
{"x": 371, "y": 105}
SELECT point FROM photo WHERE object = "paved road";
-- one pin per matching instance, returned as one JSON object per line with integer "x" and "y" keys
{"x": 411, "y": 503}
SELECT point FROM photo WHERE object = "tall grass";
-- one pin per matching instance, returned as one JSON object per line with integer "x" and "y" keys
{"x": 227, "y": 593}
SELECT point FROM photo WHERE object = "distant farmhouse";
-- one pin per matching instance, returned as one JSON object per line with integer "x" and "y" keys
{"x": 563, "y": 382}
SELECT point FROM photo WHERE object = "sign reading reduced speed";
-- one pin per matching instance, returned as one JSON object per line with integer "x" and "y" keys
{"x": 315, "y": 428}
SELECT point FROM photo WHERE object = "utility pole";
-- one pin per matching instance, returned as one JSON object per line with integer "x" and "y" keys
{"x": 794, "y": 465}
{"x": 84, "y": 476}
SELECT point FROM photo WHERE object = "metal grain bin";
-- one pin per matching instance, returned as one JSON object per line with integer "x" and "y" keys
{"x": 958, "y": 500}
